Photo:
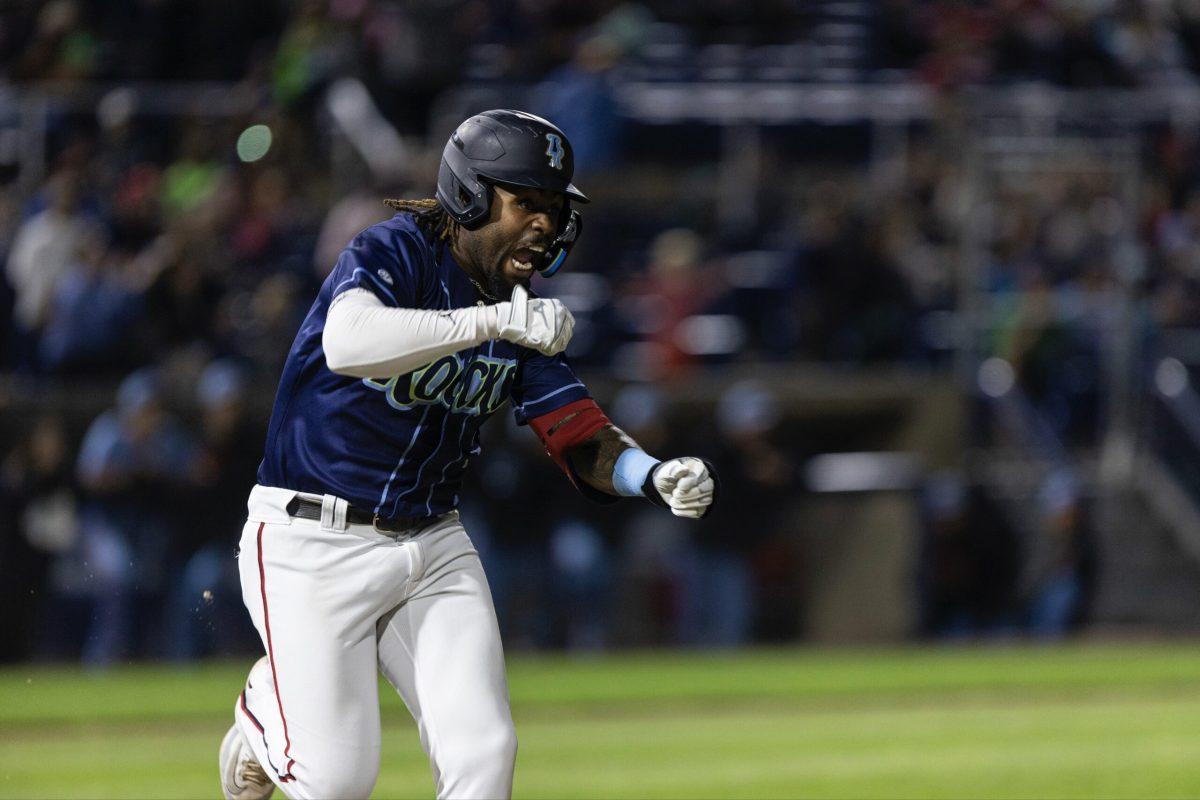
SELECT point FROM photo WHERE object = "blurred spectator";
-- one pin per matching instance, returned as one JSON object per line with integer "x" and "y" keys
{"x": 44, "y": 248}
{"x": 720, "y": 588}
{"x": 581, "y": 589}
{"x": 194, "y": 177}
{"x": 654, "y": 546}
{"x": 136, "y": 206}
{"x": 578, "y": 98}
{"x": 63, "y": 47}
{"x": 181, "y": 306}
{"x": 205, "y": 605}
{"x": 1060, "y": 569}
{"x": 856, "y": 305}
{"x": 98, "y": 307}
{"x": 507, "y": 502}
{"x": 342, "y": 223}
{"x": 676, "y": 286}
{"x": 958, "y": 51}
{"x": 259, "y": 236}
{"x": 133, "y": 461}
{"x": 1142, "y": 39}
{"x": 37, "y": 496}
{"x": 969, "y": 562}
{"x": 259, "y": 325}
{"x": 308, "y": 53}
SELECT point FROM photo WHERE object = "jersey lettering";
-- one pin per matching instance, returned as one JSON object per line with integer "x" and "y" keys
{"x": 473, "y": 382}
{"x": 433, "y": 379}
{"x": 478, "y": 387}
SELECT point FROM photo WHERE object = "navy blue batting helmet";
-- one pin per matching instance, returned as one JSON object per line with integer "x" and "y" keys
{"x": 509, "y": 147}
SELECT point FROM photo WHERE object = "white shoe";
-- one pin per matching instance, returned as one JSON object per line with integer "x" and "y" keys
{"x": 242, "y": 778}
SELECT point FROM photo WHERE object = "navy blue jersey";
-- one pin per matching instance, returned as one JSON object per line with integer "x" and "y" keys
{"x": 399, "y": 446}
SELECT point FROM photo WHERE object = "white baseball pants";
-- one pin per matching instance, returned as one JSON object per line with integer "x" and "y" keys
{"x": 335, "y": 602}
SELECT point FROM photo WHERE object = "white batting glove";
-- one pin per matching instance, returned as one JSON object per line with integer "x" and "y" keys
{"x": 541, "y": 324}
{"x": 686, "y": 485}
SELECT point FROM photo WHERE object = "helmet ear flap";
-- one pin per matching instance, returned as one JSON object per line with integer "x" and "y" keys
{"x": 476, "y": 207}
{"x": 569, "y": 231}
{"x": 468, "y": 204}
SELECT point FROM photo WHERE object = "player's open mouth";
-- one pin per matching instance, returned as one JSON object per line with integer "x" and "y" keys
{"x": 526, "y": 259}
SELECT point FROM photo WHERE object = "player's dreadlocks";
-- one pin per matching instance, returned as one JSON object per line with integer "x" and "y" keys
{"x": 431, "y": 218}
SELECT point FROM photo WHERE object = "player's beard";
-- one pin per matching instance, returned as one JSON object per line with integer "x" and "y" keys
{"x": 491, "y": 259}
{"x": 497, "y": 284}
{"x": 486, "y": 270}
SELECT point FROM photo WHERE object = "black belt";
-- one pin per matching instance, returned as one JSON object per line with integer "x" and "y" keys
{"x": 311, "y": 509}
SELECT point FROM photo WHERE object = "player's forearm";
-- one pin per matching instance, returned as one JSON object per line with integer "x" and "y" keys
{"x": 364, "y": 338}
{"x": 594, "y": 461}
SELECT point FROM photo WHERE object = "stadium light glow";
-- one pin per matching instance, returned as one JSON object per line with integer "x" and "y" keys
{"x": 1171, "y": 377}
{"x": 254, "y": 143}
{"x": 996, "y": 377}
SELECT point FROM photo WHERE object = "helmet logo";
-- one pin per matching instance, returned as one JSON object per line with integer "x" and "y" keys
{"x": 555, "y": 150}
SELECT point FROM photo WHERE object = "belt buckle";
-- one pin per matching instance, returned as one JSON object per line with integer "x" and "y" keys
{"x": 398, "y": 535}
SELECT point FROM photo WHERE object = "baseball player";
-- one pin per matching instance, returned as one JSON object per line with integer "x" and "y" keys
{"x": 353, "y": 558}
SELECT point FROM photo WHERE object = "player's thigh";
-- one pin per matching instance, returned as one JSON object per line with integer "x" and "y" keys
{"x": 322, "y": 653}
{"x": 442, "y": 651}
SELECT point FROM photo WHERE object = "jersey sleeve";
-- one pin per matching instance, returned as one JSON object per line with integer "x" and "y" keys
{"x": 383, "y": 261}
{"x": 543, "y": 384}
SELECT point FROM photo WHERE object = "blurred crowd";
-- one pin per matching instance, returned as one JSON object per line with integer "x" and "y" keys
{"x": 417, "y": 49}
{"x": 161, "y": 264}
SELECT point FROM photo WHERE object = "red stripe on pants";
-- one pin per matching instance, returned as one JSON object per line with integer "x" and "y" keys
{"x": 262, "y": 575}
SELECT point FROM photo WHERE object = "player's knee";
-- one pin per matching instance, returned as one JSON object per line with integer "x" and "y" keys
{"x": 489, "y": 752}
{"x": 498, "y": 748}
{"x": 340, "y": 785}
{"x": 502, "y": 748}
{"x": 351, "y": 776}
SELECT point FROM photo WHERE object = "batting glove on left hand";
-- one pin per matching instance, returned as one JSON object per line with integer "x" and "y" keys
{"x": 688, "y": 486}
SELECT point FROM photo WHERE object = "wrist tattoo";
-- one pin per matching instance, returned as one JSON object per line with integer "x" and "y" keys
{"x": 595, "y": 459}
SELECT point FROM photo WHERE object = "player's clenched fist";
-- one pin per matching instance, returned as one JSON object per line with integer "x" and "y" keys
{"x": 686, "y": 485}
{"x": 542, "y": 324}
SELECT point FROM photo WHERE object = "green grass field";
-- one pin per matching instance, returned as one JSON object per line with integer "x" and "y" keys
{"x": 1113, "y": 720}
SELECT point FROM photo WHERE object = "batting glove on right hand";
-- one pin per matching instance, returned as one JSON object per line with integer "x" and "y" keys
{"x": 688, "y": 486}
{"x": 541, "y": 324}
